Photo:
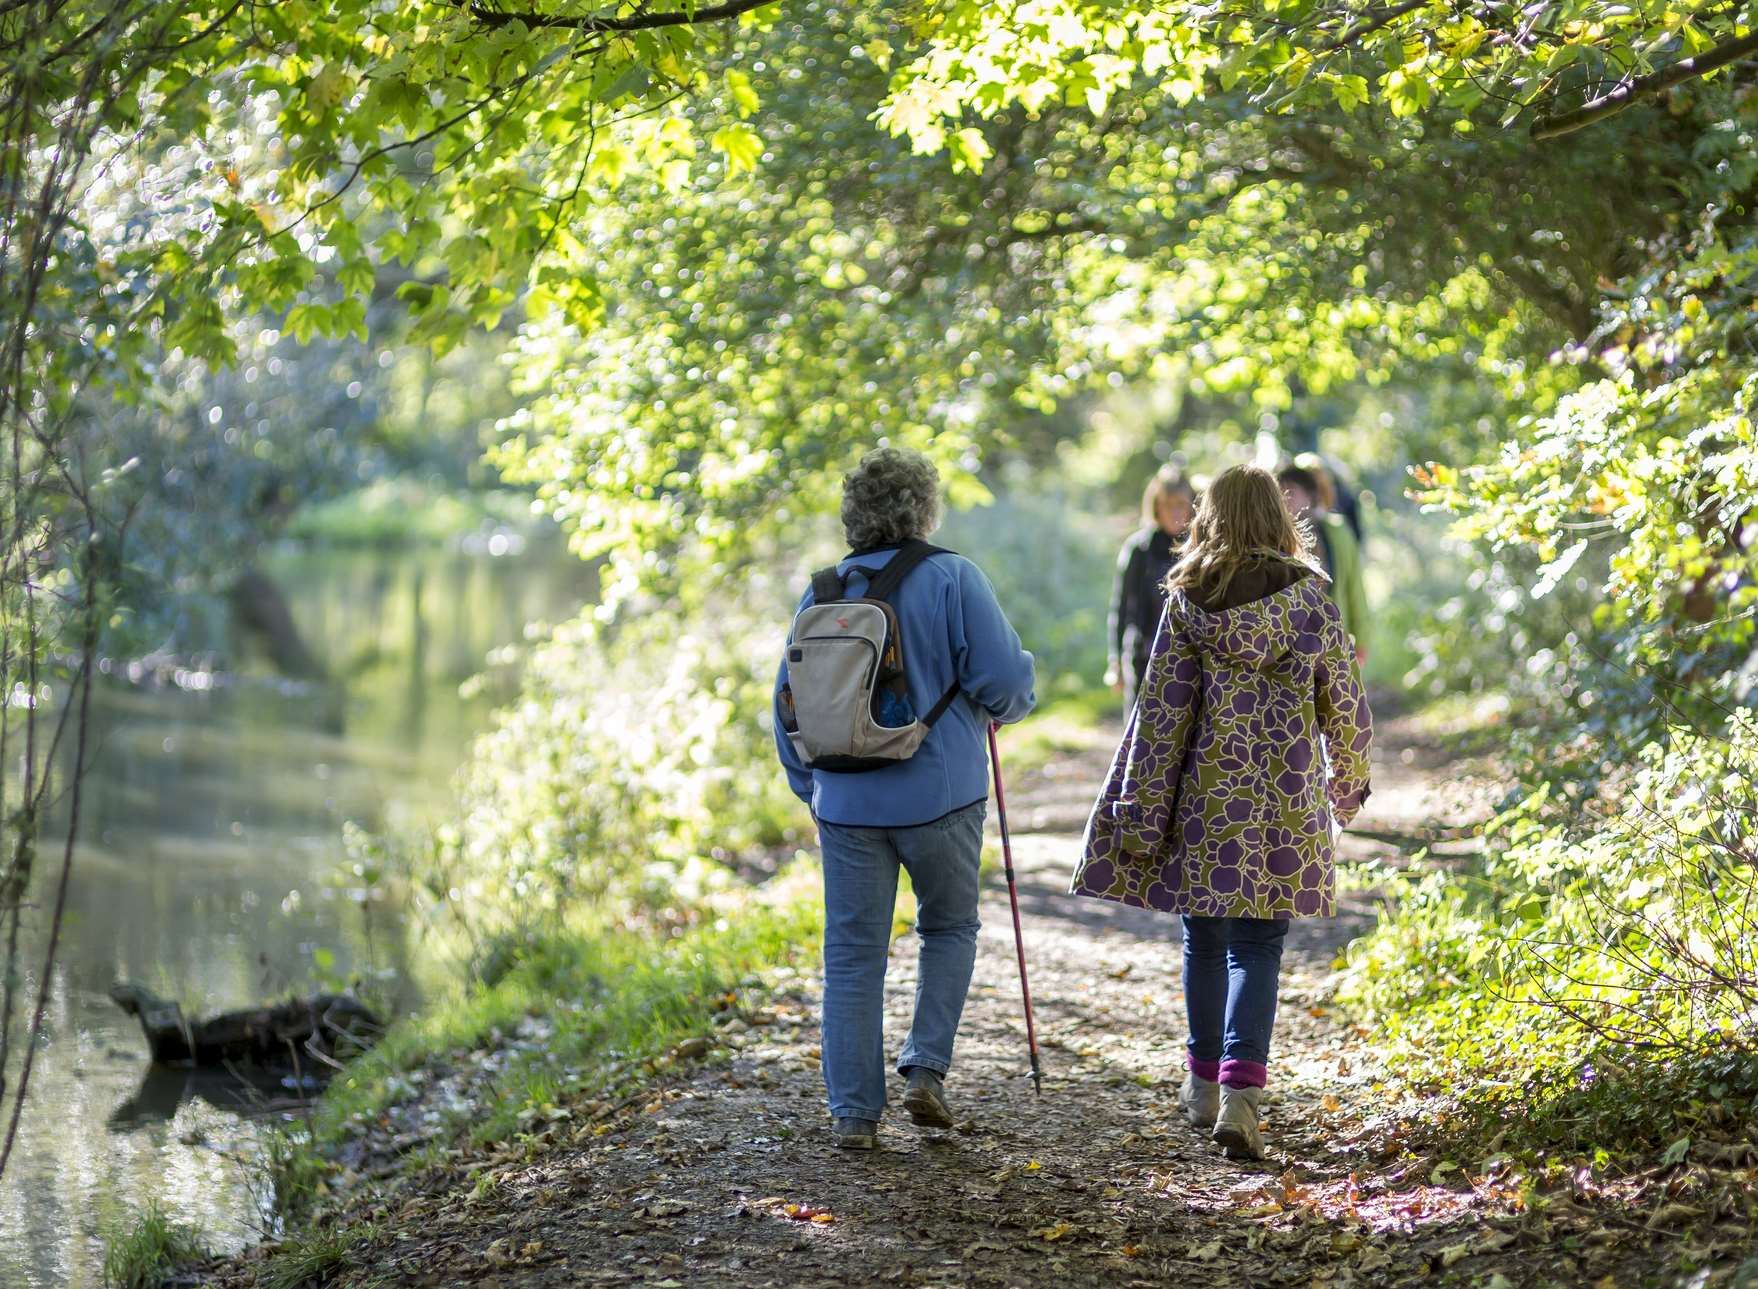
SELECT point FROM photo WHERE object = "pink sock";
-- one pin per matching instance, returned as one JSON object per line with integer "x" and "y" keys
{"x": 1244, "y": 1074}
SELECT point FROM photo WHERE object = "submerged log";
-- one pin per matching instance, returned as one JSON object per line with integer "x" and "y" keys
{"x": 320, "y": 1030}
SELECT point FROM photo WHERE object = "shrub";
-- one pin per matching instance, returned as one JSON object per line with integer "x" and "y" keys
{"x": 1589, "y": 948}
{"x": 635, "y": 763}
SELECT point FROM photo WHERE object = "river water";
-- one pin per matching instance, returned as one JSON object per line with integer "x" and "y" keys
{"x": 212, "y": 870}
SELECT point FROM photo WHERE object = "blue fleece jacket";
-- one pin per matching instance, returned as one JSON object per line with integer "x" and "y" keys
{"x": 953, "y": 629}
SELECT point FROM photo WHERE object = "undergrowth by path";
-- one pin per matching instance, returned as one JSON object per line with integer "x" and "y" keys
{"x": 703, "y": 1159}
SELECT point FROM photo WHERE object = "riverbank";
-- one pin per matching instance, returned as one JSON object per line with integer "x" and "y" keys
{"x": 683, "y": 1142}
{"x": 217, "y": 865}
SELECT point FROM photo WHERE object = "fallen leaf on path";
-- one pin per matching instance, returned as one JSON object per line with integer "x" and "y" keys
{"x": 1056, "y": 1232}
{"x": 1205, "y": 1252}
{"x": 1292, "y": 1191}
{"x": 1122, "y": 973}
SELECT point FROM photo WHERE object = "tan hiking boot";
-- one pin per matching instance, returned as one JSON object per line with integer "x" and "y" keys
{"x": 1200, "y": 1099}
{"x": 1236, "y": 1126}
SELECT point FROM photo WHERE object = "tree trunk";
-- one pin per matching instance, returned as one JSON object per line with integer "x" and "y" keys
{"x": 259, "y": 607}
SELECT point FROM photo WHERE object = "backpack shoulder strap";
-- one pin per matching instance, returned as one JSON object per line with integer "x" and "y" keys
{"x": 939, "y": 709}
{"x": 826, "y": 585}
{"x": 899, "y": 567}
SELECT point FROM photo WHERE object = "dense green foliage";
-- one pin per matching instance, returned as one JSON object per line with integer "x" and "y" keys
{"x": 736, "y": 246}
{"x": 627, "y": 775}
{"x": 1595, "y": 978}
{"x": 1507, "y": 62}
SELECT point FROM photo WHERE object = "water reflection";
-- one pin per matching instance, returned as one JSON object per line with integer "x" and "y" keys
{"x": 207, "y": 873}
{"x": 239, "y": 1091}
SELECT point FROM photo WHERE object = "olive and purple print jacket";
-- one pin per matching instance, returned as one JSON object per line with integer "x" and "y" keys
{"x": 1221, "y": 798}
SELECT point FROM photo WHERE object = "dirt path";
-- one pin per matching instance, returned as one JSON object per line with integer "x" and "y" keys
{"x": 1099, "y": 1182}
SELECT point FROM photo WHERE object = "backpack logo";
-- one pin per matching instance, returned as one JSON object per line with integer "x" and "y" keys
{"x": 843, "y": 623}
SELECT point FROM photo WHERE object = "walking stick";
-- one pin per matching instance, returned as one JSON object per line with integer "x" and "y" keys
{"x": 1025, "y": 988}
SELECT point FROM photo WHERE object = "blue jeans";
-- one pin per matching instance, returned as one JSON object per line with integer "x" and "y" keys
{"x": 1230, "y": 971}
{"x": 860, "y": 894}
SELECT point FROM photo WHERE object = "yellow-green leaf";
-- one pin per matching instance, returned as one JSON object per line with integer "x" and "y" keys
{"x": 744, "y": 98}
{"x": 740, "y": 144}
{"x": 969, "y": 150}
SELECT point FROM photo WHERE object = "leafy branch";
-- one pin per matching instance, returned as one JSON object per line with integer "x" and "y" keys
{"x": 1370, "y": 24}
{"x": 1555, "y": 125}
{"x": 634, "y": 22}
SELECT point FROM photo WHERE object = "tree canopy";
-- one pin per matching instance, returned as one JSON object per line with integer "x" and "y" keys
{"x": 740, "y": 235}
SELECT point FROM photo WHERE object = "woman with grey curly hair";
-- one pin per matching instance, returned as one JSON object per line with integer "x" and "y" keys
{"x": 923, "y": 813}
{"x": 891, "y": 497}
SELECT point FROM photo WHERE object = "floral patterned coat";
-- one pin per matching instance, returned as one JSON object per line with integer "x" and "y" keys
{"x": 1220, "y": 801}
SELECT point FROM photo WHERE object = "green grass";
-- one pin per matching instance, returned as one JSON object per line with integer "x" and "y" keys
{"x": 617, "y": 1001}
{"x": 408, "y": 512}
{"x": 150, "y": 1250}
{"x": 313, "y": 1256}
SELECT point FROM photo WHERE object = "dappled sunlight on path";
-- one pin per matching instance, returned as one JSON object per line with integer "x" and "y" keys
{"x": 725, "y": 1175}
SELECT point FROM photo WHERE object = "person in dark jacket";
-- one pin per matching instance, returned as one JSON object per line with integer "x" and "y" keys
{"x": 1339, "y": 554}
{"x": 1333, "y": 494}
{"x": 1140, "y": 594}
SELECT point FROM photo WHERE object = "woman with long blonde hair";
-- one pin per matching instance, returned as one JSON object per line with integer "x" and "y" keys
{"x": 1139, "y": 592}
{"x": 1247, "y": 750}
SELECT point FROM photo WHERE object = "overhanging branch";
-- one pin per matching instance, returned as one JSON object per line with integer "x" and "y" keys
{"x": 633, "y": 22}
{"x": 1556, "y": 124}
{"x": 1371, "y": 23}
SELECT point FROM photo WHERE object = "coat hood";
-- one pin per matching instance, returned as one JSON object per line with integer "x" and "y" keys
{"x": 1257, "y": 633}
